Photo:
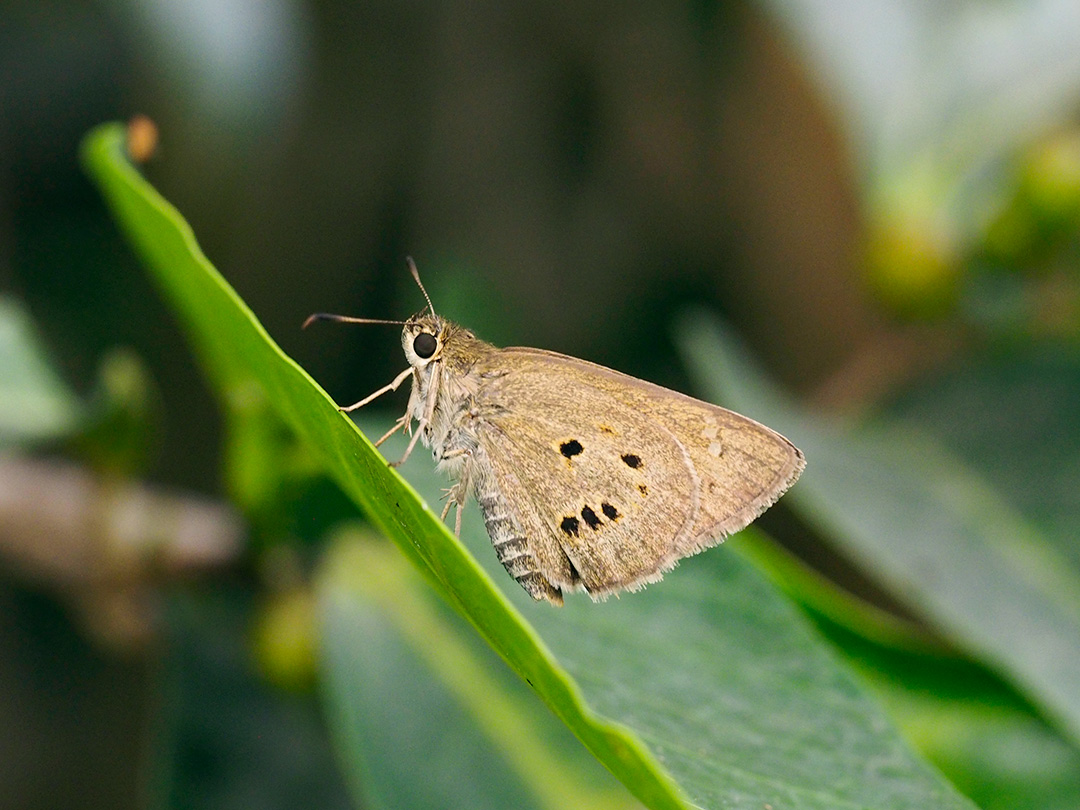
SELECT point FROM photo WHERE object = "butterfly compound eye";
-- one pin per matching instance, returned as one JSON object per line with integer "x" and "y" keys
{"x": 424, "y": 345}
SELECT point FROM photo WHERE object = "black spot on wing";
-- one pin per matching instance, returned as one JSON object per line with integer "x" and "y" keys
{"x": 571, "y": 448}
{"x": 569, "y": 526}
{"x": 590, "y": 518}
{"x": 632, "y": 461}
{"x": 610, "y": 511}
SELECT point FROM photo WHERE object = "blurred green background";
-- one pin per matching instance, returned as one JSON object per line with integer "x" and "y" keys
{"x": 882, "y": 199}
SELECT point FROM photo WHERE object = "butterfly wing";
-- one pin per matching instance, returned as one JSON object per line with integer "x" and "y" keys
{"x": 576, "y": 498}
{"x": 613, "y": 479}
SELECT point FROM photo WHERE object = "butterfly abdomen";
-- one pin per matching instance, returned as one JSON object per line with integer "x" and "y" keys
{"x": 511, "y": 545}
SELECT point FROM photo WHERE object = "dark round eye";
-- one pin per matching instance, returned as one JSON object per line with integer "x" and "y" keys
{"x": 424, "y": 345}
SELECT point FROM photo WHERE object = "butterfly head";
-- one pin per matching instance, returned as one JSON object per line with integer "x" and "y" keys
{"x": 428, "y": 339}
{"x": 423, "y": 339}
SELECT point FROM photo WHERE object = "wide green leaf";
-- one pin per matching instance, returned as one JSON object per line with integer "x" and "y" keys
{"x": 709, "y": 690}
{"x": 250, "y": 372}
{"x": 928, "y": 528}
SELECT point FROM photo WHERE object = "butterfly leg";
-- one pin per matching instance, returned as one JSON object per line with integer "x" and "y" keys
{"x": 402, "y": 422}
{"x": 412, "y": 443}
{"x": 456, "y": 495}
{"x": 405, "y": 420}
{"x": 398, "y": 380}
{"x": 425, "y": 420}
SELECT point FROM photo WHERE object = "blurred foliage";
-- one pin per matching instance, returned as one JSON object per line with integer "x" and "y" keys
{"x": 122, "y": 426}
{"x": 1017, "y": 277}
{"x": 284, "y": 639}
{"x": 883, "y": 199}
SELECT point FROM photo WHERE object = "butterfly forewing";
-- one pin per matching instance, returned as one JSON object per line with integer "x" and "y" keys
{"x": 597, "y": 457}
{"x": 744, "y": 466}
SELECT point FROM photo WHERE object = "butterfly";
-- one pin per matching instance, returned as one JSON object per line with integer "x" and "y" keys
{"x": 587, "y": 479}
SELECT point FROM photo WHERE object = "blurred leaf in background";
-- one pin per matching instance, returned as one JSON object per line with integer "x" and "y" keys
{"x": 35, "y": 405}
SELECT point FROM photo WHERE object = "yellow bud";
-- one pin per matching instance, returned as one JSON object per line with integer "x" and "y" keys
{"x": 912, "y": 268}
{"x": 285, "y": 639}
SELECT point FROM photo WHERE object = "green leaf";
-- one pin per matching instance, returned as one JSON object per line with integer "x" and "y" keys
{"x": 1027, "y": 444}
{"x": 927, "y": 528}
{"x": 413, "y": 690}
{"x": 685, "y": 662}
{"x": 118, "y": 432}
{"x": 971, "y": 724}
{"x": 35, "y": 404}
{"x": 707, "y": 691}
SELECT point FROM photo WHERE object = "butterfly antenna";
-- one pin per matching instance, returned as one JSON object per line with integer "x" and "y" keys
{"x": 419, "y": 283}
{"x": 327, "y": 316}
